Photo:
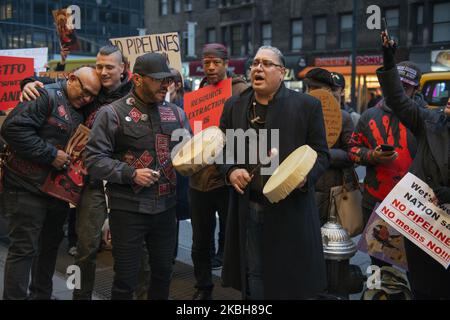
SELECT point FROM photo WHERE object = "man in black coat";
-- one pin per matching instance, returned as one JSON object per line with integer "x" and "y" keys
{"x": 37, "y": 132}
{"x": 428, "y": 278}
{"x": 274, "y": 251}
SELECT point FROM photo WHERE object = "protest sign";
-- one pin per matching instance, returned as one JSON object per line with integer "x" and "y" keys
{"x": 55, "y": 74}
{"x": 408, "y": 209}
{"x": 12, "y": 71}
{"x": 332, "y": 115}
{"x": 40, "y": 56}
{"x": 206, "y": 104}
{"x": 165, "y": 43}
{"x": 66, "y": 31}
{"x": 67, "y": 184}
{"x": 383, "y": 242}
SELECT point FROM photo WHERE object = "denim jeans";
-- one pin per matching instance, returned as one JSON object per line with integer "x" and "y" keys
{"x": 255, "y": 223}
{"x": 204, "y": 206}
{"x": 128, "y": 231}
{"x": 35, "y": 231}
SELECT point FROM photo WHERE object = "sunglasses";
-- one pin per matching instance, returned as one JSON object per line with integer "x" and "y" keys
{"x": 164, "y": 81}
{"x": 266, "y": 64}
{"x": 85, "y": 92}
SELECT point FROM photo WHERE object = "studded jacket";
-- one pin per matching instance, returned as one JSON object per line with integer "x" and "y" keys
{"x": 128, "y": 135}
{"x": 34, "y": 131}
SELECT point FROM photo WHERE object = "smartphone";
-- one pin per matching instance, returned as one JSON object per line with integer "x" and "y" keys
{"x": 385, "y": 27}
{"x": 387, "y": 147}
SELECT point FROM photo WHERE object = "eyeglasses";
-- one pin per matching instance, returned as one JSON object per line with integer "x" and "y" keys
{"x": 84, "y": 92}
{"x": 162, "y": 81}
{"x": 265, "y": 63}
{"x": 216, "y": 62}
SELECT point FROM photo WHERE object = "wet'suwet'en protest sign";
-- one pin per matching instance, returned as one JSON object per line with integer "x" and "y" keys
{"x": 408, "y": 209}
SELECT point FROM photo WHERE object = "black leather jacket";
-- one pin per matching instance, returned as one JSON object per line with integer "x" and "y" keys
{"x": 34, "y": 131}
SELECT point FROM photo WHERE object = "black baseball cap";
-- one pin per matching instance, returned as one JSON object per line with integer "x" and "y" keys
{"x": 409, "y": 73}
{"x": 153, "y": 65}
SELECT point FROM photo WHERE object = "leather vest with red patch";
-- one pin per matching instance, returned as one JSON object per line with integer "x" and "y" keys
{"x": 144, "y": 141}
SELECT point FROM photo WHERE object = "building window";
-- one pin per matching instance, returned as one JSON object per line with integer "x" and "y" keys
{"x": 39, "y": 39}
{"x": 266, "y": 34}
{"x": 225, "y": 33}
{"x": 393, "y": 22}
{"x": 163, "y": 7}
{"x": 211, "y": 4}
{"x": 296, "y": 34}
{"x": 176, "y": 6}
{"x": 5, "y": 11}
{"x": 320, "y": 32}
{"x": 187, "y": 5}
{"x": 236, "y": 40}
{"x": 248, "y": 39}
{"x": 418, "y": 33}
{"x": 211, "y": 35}
{"x": 441, "y": 22}
{"x": 346, "y": 31}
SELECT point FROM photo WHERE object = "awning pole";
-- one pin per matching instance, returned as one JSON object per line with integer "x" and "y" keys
{"x": 353, "y": 92}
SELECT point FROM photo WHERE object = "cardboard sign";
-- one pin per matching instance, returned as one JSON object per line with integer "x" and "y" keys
{"x": 206, "y": 104}
{"x": 12, "y": 71}
{"x": 408, "y": 209}
{"x": 332, "y": 115}
{"x": 166, "y": 43}
{"x": 67, "y": 184}
{"x": 383, "y": 242}
{"x": 67, "y": 36}
{"x": 55, "y": 74}
{"x": 40, "y": 56}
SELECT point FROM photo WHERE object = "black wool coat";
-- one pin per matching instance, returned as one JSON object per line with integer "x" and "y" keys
{"x": 293, "y": 262}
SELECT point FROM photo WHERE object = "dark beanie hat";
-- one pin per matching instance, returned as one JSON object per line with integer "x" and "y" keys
{"x": 320, "y": 76}
{"x": 215, "y": 49}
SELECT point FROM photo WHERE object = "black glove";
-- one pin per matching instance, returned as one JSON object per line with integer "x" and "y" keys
{"x": 442, "y": 194}
{"x": 389, "y": 55}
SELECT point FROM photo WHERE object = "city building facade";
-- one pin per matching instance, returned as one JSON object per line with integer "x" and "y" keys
{"x": 30, "y": 24}
{"x": 309, "y": 33}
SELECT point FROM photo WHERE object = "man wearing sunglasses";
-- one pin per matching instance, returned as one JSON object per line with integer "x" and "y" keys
{"x": 91, "y": 212}
{"x": 129, "y": 147}
{"x": 274, "y": 251}
{"x": 37, "y": 132}
{"x": 208, "y": 193}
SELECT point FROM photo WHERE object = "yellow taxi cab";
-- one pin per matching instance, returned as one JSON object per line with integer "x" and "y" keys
{"x": 435, "y": 87}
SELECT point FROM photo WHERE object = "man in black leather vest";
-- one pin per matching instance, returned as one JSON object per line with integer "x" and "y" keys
{"x": 37, "y": 132}
{"x": 129, "y": 146}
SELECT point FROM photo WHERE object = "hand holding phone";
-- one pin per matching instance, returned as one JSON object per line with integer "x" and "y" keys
{"x": 384, "y": 154}
{"x": 387, "y": 147}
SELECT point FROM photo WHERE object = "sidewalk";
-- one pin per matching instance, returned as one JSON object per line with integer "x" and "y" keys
{"x": 182, "y": 287}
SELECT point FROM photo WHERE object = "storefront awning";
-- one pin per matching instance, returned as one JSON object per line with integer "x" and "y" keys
{"x": 345, "y": 70}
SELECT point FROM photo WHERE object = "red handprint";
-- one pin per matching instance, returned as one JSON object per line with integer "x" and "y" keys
{"x": 388, "y": 175}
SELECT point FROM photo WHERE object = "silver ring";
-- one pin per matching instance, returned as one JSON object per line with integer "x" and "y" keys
{"x": 64, "y": 166}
